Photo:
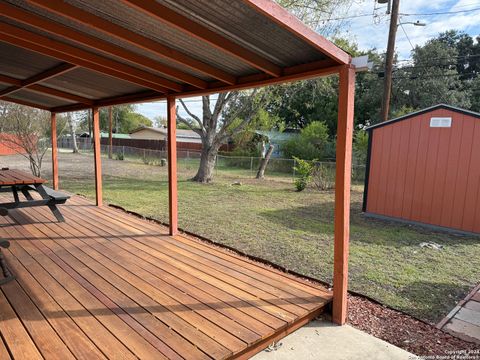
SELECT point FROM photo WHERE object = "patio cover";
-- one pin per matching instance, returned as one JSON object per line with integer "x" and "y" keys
{"x": 70, "y": 55}
{"x": 84, "y": 54}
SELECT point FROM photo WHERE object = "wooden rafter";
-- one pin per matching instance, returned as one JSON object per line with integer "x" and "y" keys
{"x": 45, "y": 46}
{"x": 44, "y": 75}
{"x": 198, "y": 31}
{"x": 45, "y": 90}
{"x": 294, "y": 73}
{"x": 68, "y": 33}
{"x": 83, "y": 17}
{"x": 25, "y": 102}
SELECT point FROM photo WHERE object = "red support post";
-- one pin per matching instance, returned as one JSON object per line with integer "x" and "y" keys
{"x": 96, "y": 155}
{"x": 342, "y": 192}
{"x": 54, "y": 150}
{"x": 172, "y": 164}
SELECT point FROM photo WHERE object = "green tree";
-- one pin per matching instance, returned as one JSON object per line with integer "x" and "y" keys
{"x": 430, "y": 82}
{"x": 360, "y": 147}
{"x": 313, "y": 142}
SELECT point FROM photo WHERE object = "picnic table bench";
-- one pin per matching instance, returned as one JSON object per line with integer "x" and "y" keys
{"x": 15, "y": 181}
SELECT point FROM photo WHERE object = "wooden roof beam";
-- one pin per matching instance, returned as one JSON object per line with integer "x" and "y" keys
{"x": 68, "y": 33}
{"x": 45, "y": 46}
{"x": 198, "y": 31}
{"x": 299, "y": 72}
{"x": 44, "y": 90}
{"x": 71, "y": 12}
{"x": 26, "y": 103}
{"x": 44, "y": 75}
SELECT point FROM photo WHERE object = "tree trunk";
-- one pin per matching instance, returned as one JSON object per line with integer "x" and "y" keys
{"x": 71, "y": 126}
{"x": 207, "y": 164}
{"x": 264, "y": 163}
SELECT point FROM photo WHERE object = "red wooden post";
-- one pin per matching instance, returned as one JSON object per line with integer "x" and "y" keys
{"x": 96, "y": 155}
{"x": 54, "y": 150}
{"x": 342, "y": 192}
{"x": 172, "y": 164}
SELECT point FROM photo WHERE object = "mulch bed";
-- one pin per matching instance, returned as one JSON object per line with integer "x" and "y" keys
{"x": 403, "y": 330}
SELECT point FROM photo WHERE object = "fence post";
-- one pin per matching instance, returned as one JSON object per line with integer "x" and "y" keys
{"x": 294, "y": 164}
{"x": 251, "y": 164}
{"x": 123, "y": 152}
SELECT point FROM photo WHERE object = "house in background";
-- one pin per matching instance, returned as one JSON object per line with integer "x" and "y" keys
{"x": 152, "y": 133}
{"x": 424, "y": 167}
{"x": 186, "y": 139}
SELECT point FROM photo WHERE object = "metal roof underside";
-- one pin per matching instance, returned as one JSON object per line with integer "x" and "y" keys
{"x": 127, "y": 51}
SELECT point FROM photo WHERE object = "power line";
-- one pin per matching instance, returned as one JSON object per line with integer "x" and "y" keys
{"x": 402, "y": 14}
{"x": 440, "y": 12}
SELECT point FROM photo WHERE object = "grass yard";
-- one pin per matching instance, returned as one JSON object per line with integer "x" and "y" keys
{"x": 270, "y": 220}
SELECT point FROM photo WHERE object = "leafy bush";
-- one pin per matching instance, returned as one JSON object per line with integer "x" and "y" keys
{"x": 312, "y": 143}
{"x": 304, "y": 170}
{"x": 119, "y": 156}
{"x": 360, "y": 147}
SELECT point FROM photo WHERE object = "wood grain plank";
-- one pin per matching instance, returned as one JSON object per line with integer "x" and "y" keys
{"x": 54, "y": 280}
{"x": 78, "y": 343}
{"x": 43, "y": 335}
{"x": 105, "y": 273}
{"x": 210, "y": 346}
{"x": 4, "y": 354}
{"x": 20, "y": 343}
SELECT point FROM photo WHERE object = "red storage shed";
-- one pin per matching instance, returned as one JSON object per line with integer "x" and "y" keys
{"x": 424, "y": 167}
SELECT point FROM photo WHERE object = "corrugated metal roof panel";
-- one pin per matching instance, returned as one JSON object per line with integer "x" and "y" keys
{"x": 135, "y": 21}
{"x": 278, "y": 39}
{"x": 235, "y": 21}
{"x": 19, "y": 63}
{"x": 111, "y": 39}
{"x": 91, "y": 84}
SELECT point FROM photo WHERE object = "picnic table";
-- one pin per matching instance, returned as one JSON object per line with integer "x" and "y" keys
{"x": 16, "y": 181}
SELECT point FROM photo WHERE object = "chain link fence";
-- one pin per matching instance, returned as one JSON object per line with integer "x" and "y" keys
{"x": 188, "y": 162}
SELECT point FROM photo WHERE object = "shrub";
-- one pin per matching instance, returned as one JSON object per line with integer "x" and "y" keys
{"x": 119, "y": 156}
{"x": 323, "y": 176}
{"x": 360, "y": 147}
{"x": 312, "y": 143}
{"x": 304, "y": 170}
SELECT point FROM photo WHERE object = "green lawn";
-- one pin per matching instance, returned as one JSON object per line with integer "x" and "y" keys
{"x": 270, "y": 220}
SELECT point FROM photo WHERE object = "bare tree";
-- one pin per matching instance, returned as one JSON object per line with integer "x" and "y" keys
{"x": 72, "y": 126}
{"x": 231, "y": 114}
{"x": 26, "y": 131}
{"x": 264, "y": 162}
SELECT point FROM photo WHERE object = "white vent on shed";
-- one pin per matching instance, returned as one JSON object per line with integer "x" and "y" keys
{"x": 441, "y": 122}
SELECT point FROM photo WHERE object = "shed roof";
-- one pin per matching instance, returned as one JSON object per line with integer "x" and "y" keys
{"x": 423, "y": 111}
{"x": 69, "y": 55}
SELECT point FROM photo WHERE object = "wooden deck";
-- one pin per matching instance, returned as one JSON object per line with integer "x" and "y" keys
{"x": 106, "y": 284}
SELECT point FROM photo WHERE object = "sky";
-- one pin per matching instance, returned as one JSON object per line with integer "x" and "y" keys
{"x": 369, "y": 25}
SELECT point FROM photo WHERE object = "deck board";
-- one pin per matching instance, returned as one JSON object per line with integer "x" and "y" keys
{"x": 107, "y": 284}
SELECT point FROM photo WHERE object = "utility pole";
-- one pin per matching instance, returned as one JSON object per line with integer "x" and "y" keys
{"x": 387, "y": 85}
